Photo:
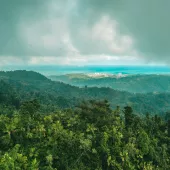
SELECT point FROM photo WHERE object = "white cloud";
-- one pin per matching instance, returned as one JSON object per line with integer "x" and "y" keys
{"x": 81, "y": 60}
{"x": 78, "y": 29}
{"x": 106, "y": 33}
{"x": 51, "y": 35}
{"x": 11, "y": 60}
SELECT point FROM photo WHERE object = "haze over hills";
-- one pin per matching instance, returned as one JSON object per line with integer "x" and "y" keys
{"x": 28, "y": 85}
{"x": 131, "y": 83}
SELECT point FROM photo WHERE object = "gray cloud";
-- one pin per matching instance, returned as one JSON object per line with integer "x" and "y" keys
{"x": 85, "y": 27}
{"x": 147, "y": 21}
{"x": 10, "y": 13}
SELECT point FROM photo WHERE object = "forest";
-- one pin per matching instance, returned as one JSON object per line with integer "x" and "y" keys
{"x": 24, "y": 85}
{"x": 91, "y": 136}
{"x": 134, "y": 83}
{"x": 50, "y": 125}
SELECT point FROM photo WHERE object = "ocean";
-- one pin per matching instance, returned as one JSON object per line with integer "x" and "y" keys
{"x": 60, "y": 70}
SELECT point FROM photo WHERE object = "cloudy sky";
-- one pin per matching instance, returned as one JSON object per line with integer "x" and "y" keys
{"x": 84, "y": 32}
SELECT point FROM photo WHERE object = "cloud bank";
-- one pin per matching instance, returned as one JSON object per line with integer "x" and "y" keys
{"x": 84, "y": 31}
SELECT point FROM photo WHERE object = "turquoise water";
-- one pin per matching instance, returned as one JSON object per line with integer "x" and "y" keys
{"x": 58, "y": 70}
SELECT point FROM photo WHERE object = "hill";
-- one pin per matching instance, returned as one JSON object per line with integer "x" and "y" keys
{"x": 52, "y": 94}
{"x": 23, "y": 75}
{"x": 131, "y": 83}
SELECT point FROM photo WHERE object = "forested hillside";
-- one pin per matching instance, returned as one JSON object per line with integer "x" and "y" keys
{"x": 23, "y": 75}
{"x": 91, "y": 136}
{"x": 50, "y": 125}
{"x": 52, "y": 95}
{"x": 130, "y": 83}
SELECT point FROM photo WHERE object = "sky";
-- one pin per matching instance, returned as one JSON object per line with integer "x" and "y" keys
{"x": 84, "y": 32}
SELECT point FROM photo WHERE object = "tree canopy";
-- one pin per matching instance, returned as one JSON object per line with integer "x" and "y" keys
{"x": 90, "y": 136}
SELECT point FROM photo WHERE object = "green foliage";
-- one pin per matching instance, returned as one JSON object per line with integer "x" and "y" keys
{"x": 91, "y": 136}
{"x": 19, "y": 86}
{"x": 56, "y": 135}
{"x": 132, "y": 83}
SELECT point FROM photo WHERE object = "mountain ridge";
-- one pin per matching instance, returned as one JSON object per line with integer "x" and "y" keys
{"x": 131, "y": 83}
{"x": 66, "y": 96}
